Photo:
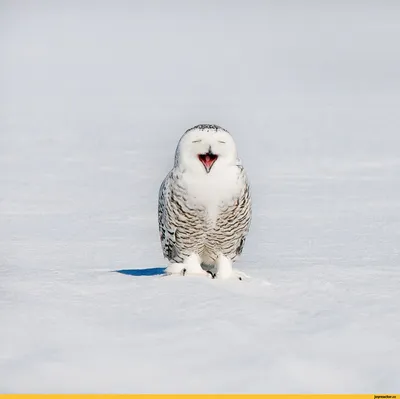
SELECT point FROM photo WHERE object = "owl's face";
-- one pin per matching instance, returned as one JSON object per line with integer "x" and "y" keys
{"x": 206, "y": 148}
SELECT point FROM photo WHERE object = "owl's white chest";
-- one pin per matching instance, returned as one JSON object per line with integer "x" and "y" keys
{"x": 214, "y": 190}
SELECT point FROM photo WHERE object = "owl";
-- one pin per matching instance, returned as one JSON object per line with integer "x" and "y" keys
{"x": 204, "y": 205}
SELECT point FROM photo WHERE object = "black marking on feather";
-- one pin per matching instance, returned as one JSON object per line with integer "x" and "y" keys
{"x": 239, "y": 249}
{"x": 206, "y": 126}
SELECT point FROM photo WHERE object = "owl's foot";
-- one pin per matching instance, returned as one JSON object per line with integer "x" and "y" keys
{"x": 239, "y": 275}
{"x": 236, "y": 274}
{"x": 225, "y": 271}
{"x": 224, "y": 267}
{"x": 190, "y": 265}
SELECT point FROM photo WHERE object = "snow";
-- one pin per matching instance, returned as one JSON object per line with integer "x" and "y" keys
{"x": 92, "y": 103}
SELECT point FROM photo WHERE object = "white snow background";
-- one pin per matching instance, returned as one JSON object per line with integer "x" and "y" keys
{"x": 93, "y": 99}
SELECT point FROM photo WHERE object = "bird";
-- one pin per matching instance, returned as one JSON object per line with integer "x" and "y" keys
{"x": 204, "y": 205}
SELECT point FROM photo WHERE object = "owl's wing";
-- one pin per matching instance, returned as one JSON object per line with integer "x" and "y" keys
{"x": 167, "y": 232}
{"x": 239, "y": 249}
{"x": 244, "y": 219}
{"x": 234, "y": 222}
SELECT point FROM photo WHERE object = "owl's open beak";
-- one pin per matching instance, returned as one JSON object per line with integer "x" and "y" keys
{"x": 208, "y": 160}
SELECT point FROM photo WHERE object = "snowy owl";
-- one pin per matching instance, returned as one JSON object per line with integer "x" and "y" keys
{"x": 204, "y": 204}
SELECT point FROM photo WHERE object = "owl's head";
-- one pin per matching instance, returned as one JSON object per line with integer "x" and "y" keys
{"x": 205, "y": 148}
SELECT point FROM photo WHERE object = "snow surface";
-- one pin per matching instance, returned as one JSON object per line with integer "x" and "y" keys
{"x": 93, "y": 99}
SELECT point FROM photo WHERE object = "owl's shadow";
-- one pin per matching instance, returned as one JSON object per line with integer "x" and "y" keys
{"x": 156, "y": 271}
{"x": 153, "y": 271}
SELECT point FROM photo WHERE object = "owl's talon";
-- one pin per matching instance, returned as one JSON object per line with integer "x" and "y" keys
{"x": 213, "y": 275}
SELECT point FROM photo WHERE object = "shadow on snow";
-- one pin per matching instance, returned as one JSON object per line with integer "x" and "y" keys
{"x": 154, "y": 271}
